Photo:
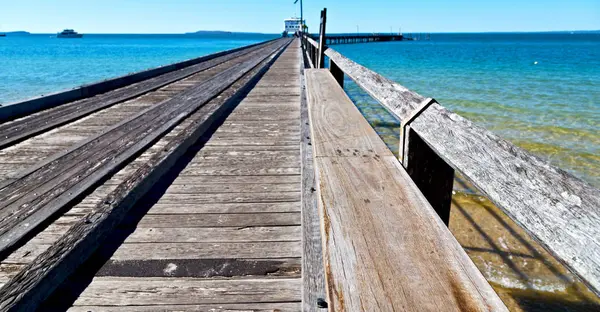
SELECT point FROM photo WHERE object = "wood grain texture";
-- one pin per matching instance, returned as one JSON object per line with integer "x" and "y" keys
{"x": 215, "y": 234}
{"x": 227, "y": 307}
{"x": 221, "y": 219}
{"x": 385, "y": 247}
{"x": 39, "y": 278}
{"x": 557, "y": 209}
{"x": 313, "y": 273}
{"x": 121, "y": 291}
{"x": 219, "y": 250}
{"x": 339, "y": 136}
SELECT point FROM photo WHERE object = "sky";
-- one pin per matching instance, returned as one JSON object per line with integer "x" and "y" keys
{"x": 179, "y": 16}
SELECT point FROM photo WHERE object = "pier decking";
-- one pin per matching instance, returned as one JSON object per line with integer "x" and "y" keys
{"x": 248, "y": 180}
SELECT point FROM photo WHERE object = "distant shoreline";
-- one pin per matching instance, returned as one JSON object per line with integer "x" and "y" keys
{"x": 222, "y": 32}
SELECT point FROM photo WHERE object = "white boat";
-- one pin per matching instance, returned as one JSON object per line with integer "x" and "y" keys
{"x": 68, "y": 33}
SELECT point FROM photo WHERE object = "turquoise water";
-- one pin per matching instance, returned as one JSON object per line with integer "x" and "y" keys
{"x": 551, "y": 108}
{"x": 40, "y": 64}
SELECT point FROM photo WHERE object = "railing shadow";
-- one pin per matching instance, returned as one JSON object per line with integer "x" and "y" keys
{"x": 574, "y": 297}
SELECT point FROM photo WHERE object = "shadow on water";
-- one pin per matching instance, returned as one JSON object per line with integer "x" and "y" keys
{"x": 526, "y": 277}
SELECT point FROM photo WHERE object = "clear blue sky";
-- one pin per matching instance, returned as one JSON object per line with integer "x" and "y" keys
{"x": 178, "y": 16}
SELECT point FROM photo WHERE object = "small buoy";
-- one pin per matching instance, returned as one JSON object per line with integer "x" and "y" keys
{"x": 535, "y": 63}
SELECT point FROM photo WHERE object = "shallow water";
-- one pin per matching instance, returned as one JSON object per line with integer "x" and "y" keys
{"x": 551, "y": 108}
{"x": 40, "y": 64}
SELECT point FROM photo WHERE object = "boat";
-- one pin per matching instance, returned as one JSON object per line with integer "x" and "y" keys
{"x": 2, "y": 35}
{"x": 68, "y": 33}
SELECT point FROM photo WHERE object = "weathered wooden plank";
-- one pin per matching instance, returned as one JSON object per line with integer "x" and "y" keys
{"x": 215, "y": 234}
{"x": 384, "y": 245}
{"x": 124, "y": 291}
{"x": 246, "y": 162}
{"x": 175, "y": 208}
{"x": 189, "y": 188}
{"x": 259, "y": 179}
{"x": 254, "y": 141}
{"x": 313, "y": 273}
{"x": 557, "y": 209}
{"x": 342, "y": 138}
{"x": 241, "y": 307}
{"x": 221, "y": 220}
{"x": 250, "y": 170}
{"x": 220, "y": 250}
{"x": 32, "y": 285}
{"x": 183, "y": 235}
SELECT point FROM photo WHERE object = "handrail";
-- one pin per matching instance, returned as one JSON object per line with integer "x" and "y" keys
{"x": 559, "y": 210}
{"x": 311, "y": 47}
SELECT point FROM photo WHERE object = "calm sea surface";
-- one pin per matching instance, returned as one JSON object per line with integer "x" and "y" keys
{"x": 40, "y": 64}
{"x": 551, "y": 108}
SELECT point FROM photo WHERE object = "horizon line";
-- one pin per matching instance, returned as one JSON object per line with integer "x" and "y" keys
{"x": 351, "y": 32}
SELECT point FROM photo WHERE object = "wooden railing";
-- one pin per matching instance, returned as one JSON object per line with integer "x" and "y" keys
{"x": 559, "y": 210}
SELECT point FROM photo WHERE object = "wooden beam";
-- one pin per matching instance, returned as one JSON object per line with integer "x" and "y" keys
{"x": 385, "y": 248}
{"x": 556, "y": 208}
{"x": 313, "y": 274}
{"x": 432, "y": 175}
{"x": 337, "y": 73}
{"x": 322, "y": 46}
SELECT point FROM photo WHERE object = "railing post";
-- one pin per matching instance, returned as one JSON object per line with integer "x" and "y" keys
{"x": 432, "y": 175}
{"x": 321, "y": 61}
{"x": 337, "y": 73}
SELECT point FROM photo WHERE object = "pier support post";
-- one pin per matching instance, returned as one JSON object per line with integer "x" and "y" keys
{"x": 432, "y": 175}
{"x": 336, "y": 72}
{"x": 321, "y": 61}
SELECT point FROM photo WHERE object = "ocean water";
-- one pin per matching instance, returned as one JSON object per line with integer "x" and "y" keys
{"x": 551, "y": 108}
{"x": 33, "y": 65}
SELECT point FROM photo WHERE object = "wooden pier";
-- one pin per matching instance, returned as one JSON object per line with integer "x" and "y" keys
{"x": 248, "y": 180}
{"x": 362, "y": 38}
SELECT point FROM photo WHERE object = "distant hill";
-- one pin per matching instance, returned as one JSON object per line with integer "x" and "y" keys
{"x": 220, "y": 32}
{"x": 17, "y": 33}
